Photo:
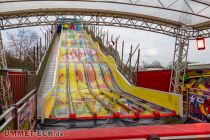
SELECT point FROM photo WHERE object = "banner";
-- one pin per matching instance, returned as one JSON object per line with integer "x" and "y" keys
{"x": 199, "y": 106}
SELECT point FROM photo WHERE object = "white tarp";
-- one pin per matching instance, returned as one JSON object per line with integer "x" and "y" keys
{"x": 189, "y": 12}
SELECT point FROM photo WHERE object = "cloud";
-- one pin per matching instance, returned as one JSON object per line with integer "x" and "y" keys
{"x": 151, "y": 52}
{"x": 154, "y": 46}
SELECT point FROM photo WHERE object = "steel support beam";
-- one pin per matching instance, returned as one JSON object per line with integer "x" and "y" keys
{"x": 204, "y": 32}
{"x": 170, "y": 6}
{"x": 2, "y": 57}
{"x": 100, "y": 18}
{"x": 179, "y": 63}
{"x": 89, "y": 18}
{"x": 107, "y": 21}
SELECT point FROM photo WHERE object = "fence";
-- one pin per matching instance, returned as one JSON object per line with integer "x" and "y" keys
{"x": 155, "y": 79}
{"x": 17, "y": 84}
{"x": 22, "y": 115}
{"x": 21, "y": 83}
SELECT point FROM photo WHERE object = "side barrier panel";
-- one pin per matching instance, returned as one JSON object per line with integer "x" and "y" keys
{"x": 49, "y": 100}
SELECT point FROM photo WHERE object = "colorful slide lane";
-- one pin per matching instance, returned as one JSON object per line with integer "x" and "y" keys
{"x": 86, "y": 88}
{"x": 95, "y": 105}
{"x": 61, "y": 103}
{"x": 146, "y": 108}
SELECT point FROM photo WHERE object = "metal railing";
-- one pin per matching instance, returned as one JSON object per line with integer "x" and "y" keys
{"x": 16, "y": 117}
{"x": 22, "y": 115}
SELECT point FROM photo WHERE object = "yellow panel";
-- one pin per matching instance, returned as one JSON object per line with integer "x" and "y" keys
{"x": 73, "y": 83}
{"x": 49, "y": 102}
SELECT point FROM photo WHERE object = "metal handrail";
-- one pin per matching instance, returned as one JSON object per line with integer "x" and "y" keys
{"x": 9, "y": 110}
{"x": 14, "y": 110}
{"x": 26, "y": 97}
{"x": 2, "y": 127}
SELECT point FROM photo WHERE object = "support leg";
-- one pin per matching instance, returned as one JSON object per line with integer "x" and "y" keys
{"x": 179, "y": 64}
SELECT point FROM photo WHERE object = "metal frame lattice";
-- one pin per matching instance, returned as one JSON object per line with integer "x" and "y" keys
{"x": 89, "y": 18}
{"x": 179, "y": 63}
{"x": 2, "y": 65}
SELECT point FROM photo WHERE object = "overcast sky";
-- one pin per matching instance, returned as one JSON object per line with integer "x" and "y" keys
{"x": 154, "y": 47}
{"x": 159, "y": 47}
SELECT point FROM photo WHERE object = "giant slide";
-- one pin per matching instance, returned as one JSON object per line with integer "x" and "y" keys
{"x": 89, "y": 86}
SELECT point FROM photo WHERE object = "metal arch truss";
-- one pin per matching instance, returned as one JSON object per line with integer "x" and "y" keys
{"x": 103, "y": 18}
{"x": 170, "y": 5}
{"x": 204, "y": 32}
{"x": 179, "y": 64}
{"x": 18, "y": 21}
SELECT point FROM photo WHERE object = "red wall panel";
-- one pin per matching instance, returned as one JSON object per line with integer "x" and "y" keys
{"x": 17, "y": 83}
{"x": 158, "y": 79}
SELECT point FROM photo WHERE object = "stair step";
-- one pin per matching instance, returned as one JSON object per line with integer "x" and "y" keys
{"x": 47, "y": 85}
{"x": 48, "y": 79}
{"x": 45, "y": 90}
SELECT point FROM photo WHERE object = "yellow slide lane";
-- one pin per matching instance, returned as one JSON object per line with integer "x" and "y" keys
{"x": 81, "y": 107}
{"x": 61, "y": 108}
{"x": 95, "y": 105}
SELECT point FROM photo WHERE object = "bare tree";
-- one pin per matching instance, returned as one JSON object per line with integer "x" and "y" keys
{"x": 145, "y": 65}
{"x": 21, "y": 43}
{"x": 154, "y": 64}
{"x": 20, "y": 49}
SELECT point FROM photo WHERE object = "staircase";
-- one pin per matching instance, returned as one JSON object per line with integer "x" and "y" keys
{"x": 48, "y": 76}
